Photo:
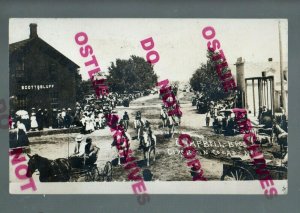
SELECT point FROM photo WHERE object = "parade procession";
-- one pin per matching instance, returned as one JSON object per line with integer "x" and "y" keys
{"x": 71, "y": 131}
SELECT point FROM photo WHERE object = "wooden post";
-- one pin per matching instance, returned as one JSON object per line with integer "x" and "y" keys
{"x": 273, "y": 95}
{"x": 267, "y": 86}
{"x": 283, "y": 95}
{"x": 259, "y": 92}
{"x": 246, "y": 100}
{"x": 240, "y": 81}
{"x": 253, "y": 97}
{"x": 264, "y": 93}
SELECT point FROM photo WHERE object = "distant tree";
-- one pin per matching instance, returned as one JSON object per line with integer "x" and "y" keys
{"x": 134, "y": 74}
{"x": 78, "y": 89}
{"x": 205, "y": 80}
{"x": 83, "y": 88}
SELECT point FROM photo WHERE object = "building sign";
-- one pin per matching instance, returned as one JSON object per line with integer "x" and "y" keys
{"x": 37, "y": 87}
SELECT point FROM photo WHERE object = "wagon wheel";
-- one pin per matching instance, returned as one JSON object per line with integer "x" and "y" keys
{"x": 88, "y": 176}
{"x": 91, "y": 173}
{"x": 74, "y": 176}
{"x": 237, "y": 174}
{"x": 107, "y": 172}
{"x": 96, "y": 174}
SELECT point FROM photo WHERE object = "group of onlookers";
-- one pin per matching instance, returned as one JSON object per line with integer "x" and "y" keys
{"x": 89, "y": 114}
{"x": 40, "y": 119}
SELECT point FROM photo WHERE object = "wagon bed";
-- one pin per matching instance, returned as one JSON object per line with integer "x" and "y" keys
{"x": 91, "y": 173}
{"x": 240, "y": 170}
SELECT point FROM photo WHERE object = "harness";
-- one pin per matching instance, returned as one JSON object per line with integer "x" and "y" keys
{"x": 56, "y": 169}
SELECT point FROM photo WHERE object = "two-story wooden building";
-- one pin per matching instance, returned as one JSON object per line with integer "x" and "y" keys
{"x": 40, "y": 76}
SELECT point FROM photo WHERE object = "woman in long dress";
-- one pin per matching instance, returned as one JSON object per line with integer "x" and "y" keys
{"x": 22, "y": 138}
{"x": 33, "y": 123}
{"x": 89, "y": 124}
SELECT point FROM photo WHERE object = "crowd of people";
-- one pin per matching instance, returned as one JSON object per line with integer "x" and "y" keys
{"x": 89, "y": 115}
{"x": 215, "y": 108}
{"x": 224, "y": 121}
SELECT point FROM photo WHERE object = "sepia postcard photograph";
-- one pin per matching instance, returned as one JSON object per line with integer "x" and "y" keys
{"x": 148, "y": 106}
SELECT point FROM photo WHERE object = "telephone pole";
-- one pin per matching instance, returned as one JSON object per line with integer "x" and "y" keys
{"x": 283, "y": 96}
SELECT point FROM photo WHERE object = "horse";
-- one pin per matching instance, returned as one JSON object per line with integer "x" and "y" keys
{"x": 57, "y": 170}
{"x": 148, "y": 146}
{"x": 139, "y": 125}
{"x": 164, "y": 118}
{"x": 124, "y": 124}
{"x": 171, "y": 123}
{"x": 123, "y": 146}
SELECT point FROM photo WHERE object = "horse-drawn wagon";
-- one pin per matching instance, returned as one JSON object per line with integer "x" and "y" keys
{"x": 202, "y": 105}
{"x": 61, "y": 170}
{"x": 243, "y": 170}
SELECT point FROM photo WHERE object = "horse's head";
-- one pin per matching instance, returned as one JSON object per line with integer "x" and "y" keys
{"x": 145, "y": 139}
{"x": 32, "y": 164}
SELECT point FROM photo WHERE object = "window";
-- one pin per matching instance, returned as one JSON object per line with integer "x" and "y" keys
{"x": 20, "y": 73}
{"x": 52, "y": 71}
{"x": 20, "y": 67}
{"x": 20, "y": 64}
{"x": 22, "y": 102}
{"x": 53, "y": 96}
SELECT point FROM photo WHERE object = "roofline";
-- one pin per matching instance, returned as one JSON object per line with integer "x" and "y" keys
{"x": 58, "y": 52}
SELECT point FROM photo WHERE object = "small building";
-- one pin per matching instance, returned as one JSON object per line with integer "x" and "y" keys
{"x": 40, "y": 76}
{"x": 262, "y": 86}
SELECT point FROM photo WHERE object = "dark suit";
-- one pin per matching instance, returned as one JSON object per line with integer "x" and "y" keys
{"x": 18, "y": 139}
{"x": 92, "y": 149}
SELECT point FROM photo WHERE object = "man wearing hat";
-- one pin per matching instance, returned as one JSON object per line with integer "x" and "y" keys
{"x": 40, "y": 119}
{"x": 126, "y": 120}
{"x": 90, "y": 152}
{"x": 46, "y": 118}
{"x": 77, "y": 157}
{"x": 54, "y": 122}
{"x": 67, "y": 119}
{"x": 79, "y": 146}
{"x": 63, "y": 113}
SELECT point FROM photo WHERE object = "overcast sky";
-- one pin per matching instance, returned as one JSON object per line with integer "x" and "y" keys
{"x": 179, "y": 42}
